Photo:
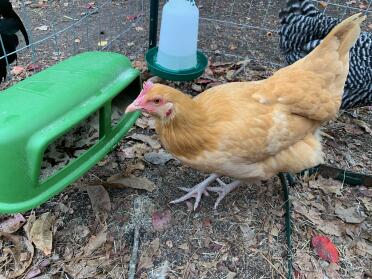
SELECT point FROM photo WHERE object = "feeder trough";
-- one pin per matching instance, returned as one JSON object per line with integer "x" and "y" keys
{"x": 44, "y": 107}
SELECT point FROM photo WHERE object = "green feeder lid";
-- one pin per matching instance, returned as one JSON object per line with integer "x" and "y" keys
{"x": 182, "y": 75}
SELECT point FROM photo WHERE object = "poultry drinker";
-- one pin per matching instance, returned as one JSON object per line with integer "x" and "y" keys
{"x": 42, "y": 108}
{"x": 177, "y": 57}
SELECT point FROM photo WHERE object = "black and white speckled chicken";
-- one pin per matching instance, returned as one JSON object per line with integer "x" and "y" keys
{"x": 303, "y": 27}
{"x": 10, "y": 24}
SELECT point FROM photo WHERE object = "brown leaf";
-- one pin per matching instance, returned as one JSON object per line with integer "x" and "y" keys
{"x": 349, "y": 215}
{"x": 100, "y": 200}
{"x": 135, "y": 151}
{"x": 196, "y": 87}
{"x": 306, "y": 265}
{"x": 362, "y": 6}
{"x": 184, "y": 247}
{"x": 146, "y": 259}
{"x": 161, "y": 219}
{"x": 363, "y": 125}
{"x": 17, "y": 70}
{"x": 153, "y": 143}
{"x": 152, "y": 124}
{"x": 310, "y": 214}
{"x": 367, "y": 203}
{"x": 249, "y": 235}
{"x": 142, "y": 122}
{"x": 12, "y": 224}
{"x": 133, "y": 167}
{"x": 328, "y": 186}
{"x": 95, "y": 242}
{"x": 33, "y": 67}
{"x": 323, "y": 4}
{"x": 40, "y": 232}
{"x": 334, "y": 227}
{"x": 141, "y": 183}
{"x": 22, "y": 253}
{"x": 158, "y": 158}
{"x": 331, "y": 271}
{"x": 232, "y": 47}
{"x": 230, "y": 75}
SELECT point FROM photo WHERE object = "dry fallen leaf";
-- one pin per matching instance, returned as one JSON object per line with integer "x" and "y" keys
{"x": 16, "y": 70}
{"x": 331, "y": 271}
{"x": 323, "y": 4}
{"x": 161, "y": 219}
{"x": 328, "y": 186}
{"x": 100, "y": 201}
{"x": 196, "y": 87}
{"x": 42, "y": 28}
{"x": 33, "y": 67}
{"x": 367, "y": 203}
{"x": 142, "y": 122}
{"x": 231, "y": 275}
{"x": 95, "y": 242}
{"x": 12, "y": 224}
{"x": 146, "y": 258}
{"x": 20, "y": 254}
{"x": 40, "y": 232}
{"x": 248, "y": 235}
{"x": 303, "y": 263}
{"x": 334, "y": 227}
{"x": 310, "y": 214}
{"x": 184, "y": 247}
{"x": 230, "y": 75}
{"x": 158, "y": 158}
{"x": 153, "y": 143}
{"x": 363, "y": 125}
{"x": 133, "y": 167}
{"x": 135, "y": 151}
{"x": 141, "y": 183}
{"x": 349, "y": 215}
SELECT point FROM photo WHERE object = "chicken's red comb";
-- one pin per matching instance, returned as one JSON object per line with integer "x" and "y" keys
{"x": 147, "y": 85}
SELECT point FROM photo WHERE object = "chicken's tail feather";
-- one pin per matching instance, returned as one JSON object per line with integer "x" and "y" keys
{"x": 347, "y": 32}
{"x": 297, "y": 7}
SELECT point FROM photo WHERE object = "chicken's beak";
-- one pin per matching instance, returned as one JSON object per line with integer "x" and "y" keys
{"x": 132, "y": 107}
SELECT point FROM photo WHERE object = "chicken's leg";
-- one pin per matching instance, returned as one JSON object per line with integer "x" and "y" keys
{"x": 223, "y": 190}
{"x": 197, "y": 191}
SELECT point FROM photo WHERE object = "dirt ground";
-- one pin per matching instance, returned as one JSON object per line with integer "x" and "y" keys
{"x": 90, "y": 229}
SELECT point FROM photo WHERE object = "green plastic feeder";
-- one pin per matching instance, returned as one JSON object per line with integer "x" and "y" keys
{"x": 40, "y": 109}
{"x": 182, "y": 75}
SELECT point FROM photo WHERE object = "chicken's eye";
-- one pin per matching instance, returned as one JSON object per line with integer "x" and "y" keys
{"x": 156, "y": 101}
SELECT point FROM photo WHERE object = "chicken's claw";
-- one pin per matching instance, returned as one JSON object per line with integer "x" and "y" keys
{"x": 196, "y": 191}
{"x": 223, "y": 190}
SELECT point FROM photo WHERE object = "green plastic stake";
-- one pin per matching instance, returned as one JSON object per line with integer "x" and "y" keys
{"x": 40, "y": 109}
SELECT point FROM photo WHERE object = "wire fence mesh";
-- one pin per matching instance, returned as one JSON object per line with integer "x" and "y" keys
{"x": 249, "y": 29}
{"x": 59, "y": 29}
{"x": 229, "y": 30}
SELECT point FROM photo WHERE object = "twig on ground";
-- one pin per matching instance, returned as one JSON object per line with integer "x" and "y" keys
{"x": 134, "y": 257}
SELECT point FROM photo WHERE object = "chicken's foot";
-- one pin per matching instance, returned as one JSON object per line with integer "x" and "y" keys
{"x": 197, "y": 191}
{"x": 223, "y": 190}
